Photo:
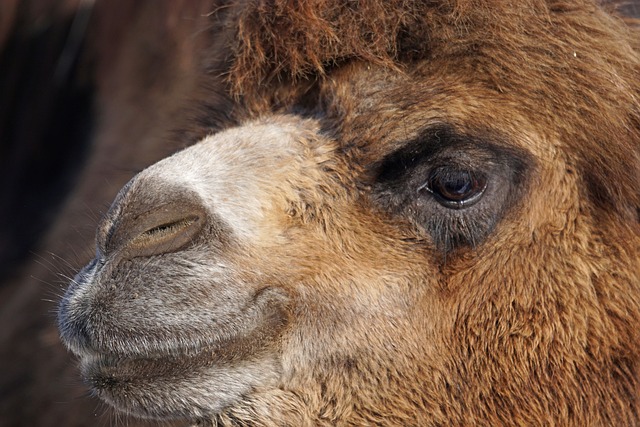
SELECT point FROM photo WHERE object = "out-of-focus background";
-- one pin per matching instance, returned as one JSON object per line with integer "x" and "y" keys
{"x": 91, "y": 92}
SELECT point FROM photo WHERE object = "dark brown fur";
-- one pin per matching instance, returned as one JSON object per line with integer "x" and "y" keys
{"x": 551, "y": 69}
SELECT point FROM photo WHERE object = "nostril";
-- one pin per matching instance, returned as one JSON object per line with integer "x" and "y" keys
{"x": 165, "y": 237}
{"x": 164, "y": 231}
{"x": 142, "y": 229}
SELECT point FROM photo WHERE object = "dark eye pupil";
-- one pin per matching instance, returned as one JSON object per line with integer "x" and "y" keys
{"x": 455, "y": 188}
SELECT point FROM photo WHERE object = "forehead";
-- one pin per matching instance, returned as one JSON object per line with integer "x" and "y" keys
{"x": 377, "y": 111}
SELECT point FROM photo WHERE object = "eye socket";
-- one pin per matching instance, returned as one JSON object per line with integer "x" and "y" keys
{"x": 455, "y": 188}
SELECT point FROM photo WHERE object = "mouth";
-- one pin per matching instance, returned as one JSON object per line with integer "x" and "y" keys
{"x": 170, "y": 388}
{"x": 181, "y": 383}
{"x": 192, "y": 369}
{"x": 137, "y": 385}
{"x": 108, "y": 369}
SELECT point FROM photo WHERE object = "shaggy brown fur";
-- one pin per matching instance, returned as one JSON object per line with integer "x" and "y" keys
{"x": 545, "y": 332}
{"x": 555, "y": 58}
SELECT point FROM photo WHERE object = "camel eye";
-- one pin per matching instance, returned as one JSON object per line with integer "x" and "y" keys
{"x": 454, "y": 188}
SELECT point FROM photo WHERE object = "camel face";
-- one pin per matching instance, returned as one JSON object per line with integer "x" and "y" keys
{"x": 420, "y": 246}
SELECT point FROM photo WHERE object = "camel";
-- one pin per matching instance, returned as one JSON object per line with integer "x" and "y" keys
{"x": 404, "y": 213}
